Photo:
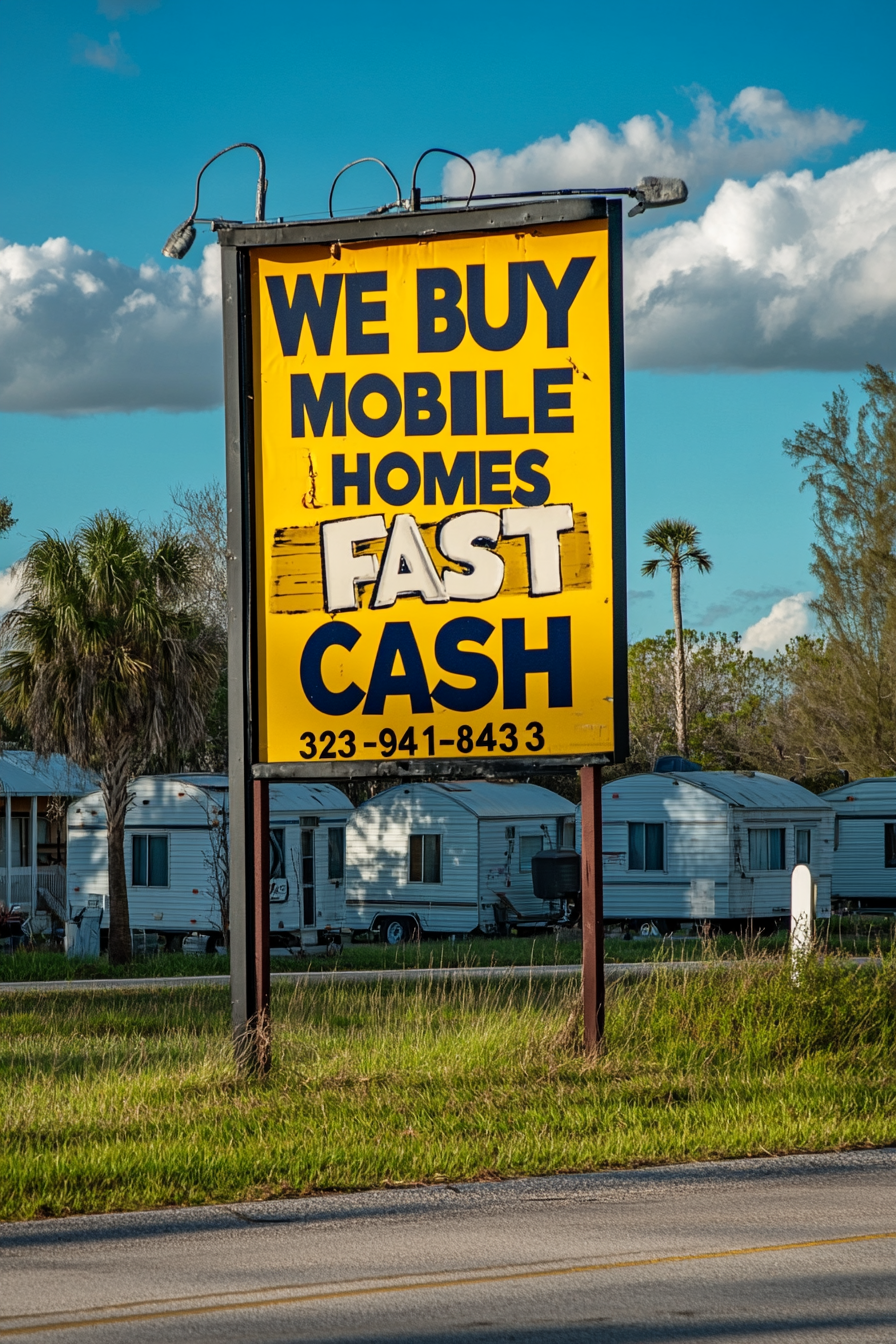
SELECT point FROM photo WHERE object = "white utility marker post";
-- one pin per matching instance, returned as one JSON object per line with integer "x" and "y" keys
{"x": 802, "y": 916}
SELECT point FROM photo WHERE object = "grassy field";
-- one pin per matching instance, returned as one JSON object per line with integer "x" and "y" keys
{"x": 129, "y": 1099}
{"x": 853, "y": 936}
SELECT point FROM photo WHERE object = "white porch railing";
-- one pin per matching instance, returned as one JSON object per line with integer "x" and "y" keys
{"x": 45, "y": 891}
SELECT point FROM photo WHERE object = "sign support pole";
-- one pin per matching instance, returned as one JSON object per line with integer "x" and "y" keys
{"x": 593, "y": 987}
{"x": 249, "y": 888}
{"x": 262, "y": 909}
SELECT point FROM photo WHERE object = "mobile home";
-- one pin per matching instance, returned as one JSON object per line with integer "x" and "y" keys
{"x": 451, "y": 858}
{"x": 176, "y": 858}
{"x": 33, "y": 793}
{"x": 710, "y": 846}
{"x": 865, "y": 843}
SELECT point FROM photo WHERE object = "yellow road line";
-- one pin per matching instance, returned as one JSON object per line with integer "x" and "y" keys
{"x": 472, "y": 1278}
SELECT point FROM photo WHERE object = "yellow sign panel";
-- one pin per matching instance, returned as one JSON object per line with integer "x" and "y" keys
{"x": 434, "y": 531}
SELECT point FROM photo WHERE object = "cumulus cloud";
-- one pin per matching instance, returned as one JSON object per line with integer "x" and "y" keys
{"x": 788, "y": 618}
{"x": 740, "y": 600}
{"x": 10, "y": 588}
{"x": 758, "y": 132}
{"x": 793, "y": 272}
{"x": 109, "y": 55}
{"x": 80, "y": 333}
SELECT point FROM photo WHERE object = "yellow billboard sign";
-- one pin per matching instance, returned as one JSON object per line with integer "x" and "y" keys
{"x": 437, "y": 539}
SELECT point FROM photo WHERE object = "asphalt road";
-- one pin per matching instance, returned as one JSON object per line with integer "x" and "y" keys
{"x": 779, "y": 1249}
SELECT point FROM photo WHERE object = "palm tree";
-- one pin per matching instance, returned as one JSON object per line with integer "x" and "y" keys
{"x": 109, "y": 662}
{"x": 676, "y": 540}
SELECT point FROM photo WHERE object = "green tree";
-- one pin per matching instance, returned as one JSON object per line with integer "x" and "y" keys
{"x": 843, "y": 701}
{"x": 110, "y": 662}
{"x": 676, "y": 540}
{"x": 6, "y": 519}
{"x": 199, "y": 519}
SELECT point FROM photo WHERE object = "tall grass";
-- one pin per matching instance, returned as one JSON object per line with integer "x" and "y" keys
{"x": 129, "y": 1099}
{"x": 854, "y": 935}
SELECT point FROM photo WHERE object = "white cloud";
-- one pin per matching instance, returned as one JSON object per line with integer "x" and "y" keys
{"x": 10, "y": 588}
{"x": 81, "y": 333}
{"x": 109, "y": 55}
{"x": 788, "y": 618}
{"x": 794, "y": 272}
{"x": 791, "y": 273}
{"x": 758, "y": 132}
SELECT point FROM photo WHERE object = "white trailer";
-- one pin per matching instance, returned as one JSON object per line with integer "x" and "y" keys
{"x": 451, "y": 858}
{"x": 174, "y": 860}
{"x": 865, "y": 843}
{"x": 710, "y": 846}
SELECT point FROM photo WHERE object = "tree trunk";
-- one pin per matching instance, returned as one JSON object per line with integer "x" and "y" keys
{"x": 681, "y": 727}
{"x": 116, "y": 777}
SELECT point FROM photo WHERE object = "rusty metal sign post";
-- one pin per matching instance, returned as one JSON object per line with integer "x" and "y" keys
{"x": 425, "y": 495}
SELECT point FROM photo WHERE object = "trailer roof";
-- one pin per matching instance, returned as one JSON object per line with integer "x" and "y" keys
{"x": 872, "y": 791}
{"x": 487, "y": 799}
{"x": 291, "y": 795}
{"x": 740, "y": 788}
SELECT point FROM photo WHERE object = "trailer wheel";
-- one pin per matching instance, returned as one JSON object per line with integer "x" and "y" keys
{"x": 394, "y": 930}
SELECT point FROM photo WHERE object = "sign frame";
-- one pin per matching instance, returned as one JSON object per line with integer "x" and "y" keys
{"x": 237, "y": 243}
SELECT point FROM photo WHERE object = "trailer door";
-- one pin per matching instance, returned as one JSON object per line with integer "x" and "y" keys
{"x": 306, "y": 874}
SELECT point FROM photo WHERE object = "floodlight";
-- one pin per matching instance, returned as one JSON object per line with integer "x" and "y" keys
{"x": 652, "y": 193}
{"x": 183, "y": 237}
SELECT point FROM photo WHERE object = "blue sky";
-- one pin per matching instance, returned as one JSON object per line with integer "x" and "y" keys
{"x": 109, "y": 110}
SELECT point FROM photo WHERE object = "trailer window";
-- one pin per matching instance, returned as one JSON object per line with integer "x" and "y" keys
{"x": 278, "y": 864}
{"x": 529, "y": 846}
{"x": 766, "y": 850}
{"x": 889, "y": 844}
{"x": 336, "y": 853}
{"x": 149, "y": 861}
{"x": 566, "y": 833}
{"x": 803, "y": 846}
{"x": 425, "y": 857}
{"x": 646, "y": 848}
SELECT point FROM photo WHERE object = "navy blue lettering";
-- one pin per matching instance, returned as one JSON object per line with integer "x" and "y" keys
{"x": 351, "y": 480}
{"x": 547, "y": 401}
{"x": 398, "y": 638}
{"x": 321, "y": 314}
{"x": 340, "y": 635}
{"x": 490, "y": 478}
{"x": 496, "y": 422}
{"x": 357, "y": 312}
{"x": 525, "y": 469}
{"x": 423, "y": 412}
{"x": 558, "y": 299}
{"x": 520, "y": 662}
{"x": 430, "y": 309}
{"x": 318, "y": 408}
{"x": 435, "y": 473}
{"x": 402, "y": 494}
{"x": 374, "y": 426}
{"x": 513, "y": 329}
{"x": 463, "y": 403}
{"x": 463, "y": 663}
